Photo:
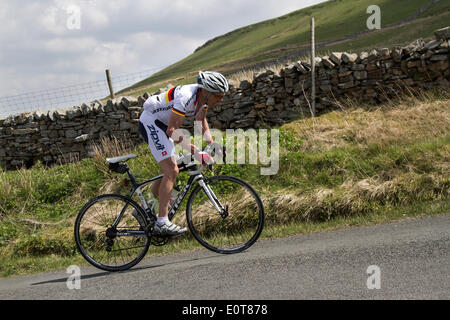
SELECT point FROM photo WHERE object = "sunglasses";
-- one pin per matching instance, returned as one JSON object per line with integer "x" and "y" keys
{"x": 218, "y": 95}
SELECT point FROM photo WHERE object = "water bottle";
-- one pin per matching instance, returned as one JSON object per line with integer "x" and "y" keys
{"x": 152, "y": 202}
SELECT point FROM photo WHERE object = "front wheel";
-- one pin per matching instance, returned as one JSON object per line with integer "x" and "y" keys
{"x": 238, "y": 224}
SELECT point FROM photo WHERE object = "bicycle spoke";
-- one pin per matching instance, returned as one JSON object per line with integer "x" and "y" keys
{"x": 105, "y": 246}
{"x": 238, "y": 228}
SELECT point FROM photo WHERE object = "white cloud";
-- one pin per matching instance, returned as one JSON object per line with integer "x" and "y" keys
{"x": 94, "y": 17}
{"x": 110, "y": 55}
{"x": 49, "y": 20}
{"x": 154, "y": 47}
{"x": 70, "y": 45}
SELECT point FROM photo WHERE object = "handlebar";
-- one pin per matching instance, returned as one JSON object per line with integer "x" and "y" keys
{"x": 186, "y": 160}
{"x": 211, "y": 149}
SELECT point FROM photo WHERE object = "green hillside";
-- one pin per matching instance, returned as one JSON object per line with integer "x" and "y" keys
{"x": 286, "y": 35}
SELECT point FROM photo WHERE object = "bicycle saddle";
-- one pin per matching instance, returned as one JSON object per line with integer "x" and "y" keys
{"x": 122, "y": 158}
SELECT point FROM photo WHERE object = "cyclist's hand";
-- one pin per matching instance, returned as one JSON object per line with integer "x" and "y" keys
{"x": 217, "y": 150}
{"x": 204, "y": 158}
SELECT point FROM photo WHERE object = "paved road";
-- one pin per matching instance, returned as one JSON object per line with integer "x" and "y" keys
{"x": 411, "y": 258}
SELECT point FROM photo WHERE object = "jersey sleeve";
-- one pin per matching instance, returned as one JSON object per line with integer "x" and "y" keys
{"x": 179, "y": 101}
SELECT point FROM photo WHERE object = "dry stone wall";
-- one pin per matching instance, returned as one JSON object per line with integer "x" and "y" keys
{"x": 271, "y": 99}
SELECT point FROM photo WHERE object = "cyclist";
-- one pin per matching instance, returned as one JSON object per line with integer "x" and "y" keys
{"x": 163, "y": 114}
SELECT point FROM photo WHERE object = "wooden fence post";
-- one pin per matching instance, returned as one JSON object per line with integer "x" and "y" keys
{"x": 108, "y": 79}
{"x": 313, "y": 69}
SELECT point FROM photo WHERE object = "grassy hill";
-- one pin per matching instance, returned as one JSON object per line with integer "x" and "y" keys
{"x": 289, "y": 35}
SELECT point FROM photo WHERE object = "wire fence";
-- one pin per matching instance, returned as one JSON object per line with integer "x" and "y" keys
{"x": 69, "y": 96}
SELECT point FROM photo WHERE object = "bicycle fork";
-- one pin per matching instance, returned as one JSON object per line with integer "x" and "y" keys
{"x": 213, "y": 198}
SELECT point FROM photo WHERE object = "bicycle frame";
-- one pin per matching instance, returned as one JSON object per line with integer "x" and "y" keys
{"x": 195, "y": 174}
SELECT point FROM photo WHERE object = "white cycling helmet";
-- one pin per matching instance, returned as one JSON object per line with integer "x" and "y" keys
{"x": 212, "y": 81}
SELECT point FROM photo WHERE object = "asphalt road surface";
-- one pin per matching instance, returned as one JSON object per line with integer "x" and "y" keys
{"x": 399, "y": 260}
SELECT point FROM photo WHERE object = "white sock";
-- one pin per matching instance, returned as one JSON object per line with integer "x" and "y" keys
{"x": 162, "y": 220}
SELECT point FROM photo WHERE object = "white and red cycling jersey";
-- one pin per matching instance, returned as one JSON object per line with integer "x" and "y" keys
{"x": 181, "y": 100}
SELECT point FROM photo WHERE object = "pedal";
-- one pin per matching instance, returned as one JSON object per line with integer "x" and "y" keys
{"x": 158, "y": 240}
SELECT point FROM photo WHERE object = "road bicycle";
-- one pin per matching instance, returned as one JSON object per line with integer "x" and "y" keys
{"x": 113, "y": 232}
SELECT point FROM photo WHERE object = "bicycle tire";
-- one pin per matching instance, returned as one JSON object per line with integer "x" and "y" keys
{"x": 94, "y": 239}
{"x": 240, "y": 229}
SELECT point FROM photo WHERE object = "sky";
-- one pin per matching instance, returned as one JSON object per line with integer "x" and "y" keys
{"x": 55, "y": 43}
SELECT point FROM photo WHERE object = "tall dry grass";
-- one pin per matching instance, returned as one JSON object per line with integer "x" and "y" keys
{"x": 413, "y": 130}
{"x": 419, "y": 114}
{"x": 109, "y": 147}
{"x": 354, "y": 197}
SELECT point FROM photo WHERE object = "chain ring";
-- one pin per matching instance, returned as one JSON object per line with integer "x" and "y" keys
{"x": 158, "y": 240}
{"x": 155, "y": 240}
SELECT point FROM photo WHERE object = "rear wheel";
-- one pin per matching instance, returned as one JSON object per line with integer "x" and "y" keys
{"x": 242, "y": 218}
{"x": 107, "y": 247}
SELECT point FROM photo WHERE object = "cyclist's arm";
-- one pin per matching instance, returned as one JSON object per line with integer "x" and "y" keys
{"x": 201, "y": 116}
{"x": 175, "y": 122}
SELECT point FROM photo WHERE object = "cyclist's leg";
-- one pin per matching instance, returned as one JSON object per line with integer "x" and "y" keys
{"x": 155, "y": 188}
{"x": 170, "y": 170}
{"x": 163, "y": 226}
{"x": 162, "y": 147}
{"x": 163, "y": 150}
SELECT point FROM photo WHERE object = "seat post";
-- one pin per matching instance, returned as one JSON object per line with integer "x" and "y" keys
{"x": 132, "y": 179}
